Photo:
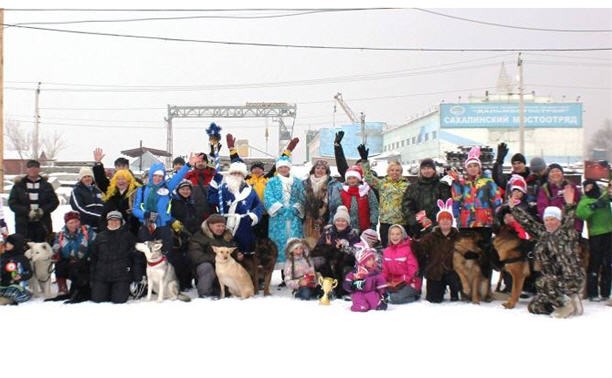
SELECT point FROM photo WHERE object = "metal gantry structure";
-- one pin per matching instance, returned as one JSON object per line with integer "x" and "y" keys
{"x": 351, "y": 114}
{"x": 275, "y": 110}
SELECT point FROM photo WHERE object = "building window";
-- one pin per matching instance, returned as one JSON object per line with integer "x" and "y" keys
{"x": 426, "y": 137}
{"x": 434, "y": 135}
{"x": 408, "y": 142}
{"x": 402, "y": 143}
{"x": 413, "y": 140}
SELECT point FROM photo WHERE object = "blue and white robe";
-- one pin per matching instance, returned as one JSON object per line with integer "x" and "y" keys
{"x": 285, "y": 212}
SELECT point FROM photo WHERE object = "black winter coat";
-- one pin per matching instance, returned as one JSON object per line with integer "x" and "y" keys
{"x": 113, "y": 256}
{"x": 122, "y": 203}
{"x": 423, "y": 195}
{"x": 21, "y": 263}
{"x": 184, "y": 210}
{"x": 88, "y": 202}
{"x": 19, "y": 202}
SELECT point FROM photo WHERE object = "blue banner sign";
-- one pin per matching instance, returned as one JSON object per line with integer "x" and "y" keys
{"x": 507, "y": 115}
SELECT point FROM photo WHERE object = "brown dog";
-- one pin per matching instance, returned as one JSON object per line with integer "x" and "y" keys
{"x": 231, "y": 274}
{"x": 261, "y": 263}
{"x": 466, "y": 262}
{"x": 514, "y": 261}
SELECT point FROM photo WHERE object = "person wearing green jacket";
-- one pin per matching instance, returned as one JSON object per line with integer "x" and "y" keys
{"x": 594, "y": 208}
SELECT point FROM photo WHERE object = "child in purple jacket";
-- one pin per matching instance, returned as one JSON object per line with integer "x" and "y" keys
{"x": 366, "y": 284}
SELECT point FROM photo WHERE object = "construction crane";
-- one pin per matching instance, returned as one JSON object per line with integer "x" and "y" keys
{"x": 349, "y": 112}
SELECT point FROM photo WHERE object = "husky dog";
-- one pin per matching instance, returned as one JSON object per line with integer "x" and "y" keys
{"x": 40, "y": 255}
{"x": 160, "y": 273}
{"x": 232, "y": 274}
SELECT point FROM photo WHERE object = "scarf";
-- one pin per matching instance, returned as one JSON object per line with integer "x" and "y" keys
{"x": 287, "y": 182}
{"x": 152, "y": 196}
{"x": 363, "y": 206}
{"x": 316, "y": 196}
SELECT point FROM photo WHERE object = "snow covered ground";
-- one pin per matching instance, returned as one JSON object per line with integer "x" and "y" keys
{"x": 280, "y": 336}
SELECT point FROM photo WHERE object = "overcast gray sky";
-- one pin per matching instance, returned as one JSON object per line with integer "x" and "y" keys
{"x": 388, "y": 86}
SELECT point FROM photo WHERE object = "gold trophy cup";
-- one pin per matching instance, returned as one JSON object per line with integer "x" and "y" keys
{"x": 327, "y": 284}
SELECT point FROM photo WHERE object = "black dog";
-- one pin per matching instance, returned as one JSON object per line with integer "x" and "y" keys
{"x": 80, "y": 291}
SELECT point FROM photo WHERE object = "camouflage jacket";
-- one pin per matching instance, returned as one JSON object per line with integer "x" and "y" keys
{"x": 556, "y": 252}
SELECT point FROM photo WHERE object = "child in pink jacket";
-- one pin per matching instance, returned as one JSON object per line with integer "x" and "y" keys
{"x": 366, "y": 284}
{"x": 400, "y": 268}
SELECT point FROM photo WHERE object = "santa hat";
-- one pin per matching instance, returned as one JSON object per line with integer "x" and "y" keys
{"x": 446, "y": 210}
{"x": 518, "y": 182}
{"x": 354, "y": 171}
{"x": 473, "y": 157}
{"x": 238, "y": 167}
{"x": 283, "y": 161}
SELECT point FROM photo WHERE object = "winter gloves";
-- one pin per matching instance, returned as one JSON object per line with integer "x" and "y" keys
{"x": 36, "y": 215}
{"x": 600, "y": 203}
{"x": 358, "y": 285}
{"x": 363, "y": 152}
{"x": 502, "y": 151}
{"x": 338, "y": 138}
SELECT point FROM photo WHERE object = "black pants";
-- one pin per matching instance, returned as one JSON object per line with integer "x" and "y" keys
{"x": 436, "y": 289}
{"x": 600, "y": 271}
{"x": 115, "y": 292}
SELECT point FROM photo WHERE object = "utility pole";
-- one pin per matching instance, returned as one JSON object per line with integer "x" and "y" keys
{"x": 521, "y": 107}
{"x": 1, "y": 100}
{"x": 36, "y": 124}
{"x": 364, "y": 138}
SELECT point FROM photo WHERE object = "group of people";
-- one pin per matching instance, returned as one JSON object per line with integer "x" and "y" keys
{"x": 380, "y": 237}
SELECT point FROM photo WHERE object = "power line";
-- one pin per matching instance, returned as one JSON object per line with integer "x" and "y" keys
{"x": 320, "y": 47}
{"x": 514, "y": 26}
{"x": 193, "y": 9}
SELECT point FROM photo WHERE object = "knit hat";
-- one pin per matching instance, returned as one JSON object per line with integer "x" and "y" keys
{"x": 215, "y": 218}
{"x": 114, "y": 215}
{"x": 446, "y": 210}
{"x": 85, "y": 171}
{"x": 552, "y": 211}
{"x": 258, "y": 164}
{"x": 370, "y": 236}
{"x": 404, "y": 233}
{"x": 32, "y": 164}
{"x": 342, "y": 213}
{"x": 555, "y": 165}
{"x": 15, "y": 239}
{"x": 283, "y": 161}
{"x": 178, "y": 160}
{"x": 364, "y": 254}
{"x": 184, "y": 182}
{"x": 72, "y": 215}
{"x": 427, "y": 163}
{"x": 519, "y": 183}
{"x": 518, "y": 157}
{"x": 537, "y": 164}
{"x": 354, "y": 171}
{"x": 473, "y": 157}
{"x": 238, "y": 167}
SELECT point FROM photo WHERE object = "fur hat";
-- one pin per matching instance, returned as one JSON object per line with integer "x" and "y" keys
{"x": 427, "y": 163}
{"x": 354, "y": 171}
{"x": 215, "y": 218}
{"x": 114, "y": 215}
{"x": 537, "y": 164}
{"x": 258, "y": 164}
{"x": 85, "y": 171}
{"x": 552, "y": 211}
{"x": 370, "y": 236}
{"x": 320, "y": 163}
{"x": 72, "y": 215}
{"x": 293, "y": 243}
{"x": 342, "y": 213}
{"x": 555, "y": 165}
{"x": 283, "y": 161}
{"x": 238, "y": 167}
{"x": 518, "y": 157}
{"x": 519, "y": 183}
{"x": 184, "y": 182}
{"x": 473, "y": 157}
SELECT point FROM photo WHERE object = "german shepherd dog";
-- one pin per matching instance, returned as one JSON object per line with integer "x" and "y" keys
{"x": 260, "y": 265}
{"x": 514, "y": 261}
{"x": 80, "y": 291}
{"x": 467, "y": 259}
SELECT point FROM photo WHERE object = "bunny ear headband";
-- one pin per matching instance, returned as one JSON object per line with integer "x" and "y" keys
{"x": 445, "y": 208}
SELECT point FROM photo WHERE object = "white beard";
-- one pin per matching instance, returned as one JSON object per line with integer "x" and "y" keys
{"x": 233, "y": 183}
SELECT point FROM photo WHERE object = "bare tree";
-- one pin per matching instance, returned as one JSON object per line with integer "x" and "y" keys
{"x": 53, "y": 144}
{"x": 19, "y": 138}
{"x": 602, "y": 139}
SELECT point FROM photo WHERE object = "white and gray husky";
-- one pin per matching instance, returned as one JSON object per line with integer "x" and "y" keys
{"x": 161, "y": 276}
